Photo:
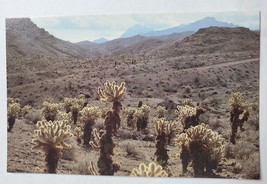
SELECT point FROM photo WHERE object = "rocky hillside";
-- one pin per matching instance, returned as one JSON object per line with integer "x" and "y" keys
{"x": 24, "y": 38}
{"x": 215, "y": 40}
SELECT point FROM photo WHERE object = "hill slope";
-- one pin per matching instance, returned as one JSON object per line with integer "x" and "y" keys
{"x": 24, "y": 38}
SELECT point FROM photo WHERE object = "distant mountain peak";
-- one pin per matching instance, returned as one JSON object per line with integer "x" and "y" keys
{"x": 136, "y": 29}
{"x": 100, "y": 40}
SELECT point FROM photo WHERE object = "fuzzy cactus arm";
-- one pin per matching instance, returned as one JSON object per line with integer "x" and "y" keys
{"x": 152, "y": 170}
{"x": 51, "y": 134}
{"x": 112, "y": 92}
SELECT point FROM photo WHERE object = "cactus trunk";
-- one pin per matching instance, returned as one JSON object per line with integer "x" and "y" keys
{"x": 75, "y": 117}
{"x": 161, "y": 151}
{"x": 185, "y": 157}
{"x": 105, "y": 162}
{"x": 11, "y": 121}
{"x": 87, "y": 131}
{"x": 52, "y": 157}
{"x": 200, "y": 156}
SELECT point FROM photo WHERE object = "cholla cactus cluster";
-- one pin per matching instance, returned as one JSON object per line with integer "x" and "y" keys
{"x": 67, "y": 104}
{"x": 188, "y": 102}
{"x": 189, "y": 115}
{"x": 129, "y": 112}
{"x": 112, "y": 92}
{"x": 77, "y": 104}
{"x": 78, "y": 133}
{"x": 239, "y": 113}
{"x": 13, "y": 109}
{"x": 63, "y": 116}
{"x": 26, "y": 109}
{"x": 161, "y": 111}
{"x": 141, "y": 116}
{"x": 89, "y": 115}
{"x": 51, "y": 137}
{"x": 50, "y": 110}
{"x": 152, "y": 170}
{"x": 204, "y": 146}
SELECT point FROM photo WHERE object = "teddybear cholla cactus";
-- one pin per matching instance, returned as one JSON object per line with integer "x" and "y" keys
{"x": 161, "y": 139}
{"x": 152, "y": 170}
{"x": 160, "y": 111}
{"x": 188, "y": 115}
{"x": 239, "y": 113}
{"x": 13, "y": 109}
{"x": 50, "y": 110}
{"x": 113, "y": 93}
{"x": 77, "y": 104}
{"x": 51, "y": 137}
{"x": 89, "y": 115}
{"x": 63, "y": 116}
{"x": 104, "y": 143}
{"x": 203, "y": 146}
{"x": 141, "y": 117}
{"x": 129, "y": 112}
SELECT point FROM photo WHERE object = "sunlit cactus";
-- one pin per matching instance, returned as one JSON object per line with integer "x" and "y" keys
{"x": 204, "y": 147}
{"x": 104, "y": 143}
{"x": 113, "y": 93}
{"x": 78, "y": 133}
{"x": 188, "y": 102}
{"x": 50, "y": 110}
{"x": 141, "y": 117}
{"x": 89, "y": 115}
{"x": 129, "y": 112}
{"x": 189, "y": 115}
{"x": 67, "y": 104}
{"x": 104, "y": 112}
{"x": 63, "y": 116}
{"x": 77, "y": 105}
{"x": 152, "y": 170}
{"x": 92, "y": 169}
{"x": 162, "y": 131}
{"x": 239, "y": 113}
{"x": 26, "y": 109}
{"x": 13, "y": 109}
{"x": 160, "y": 111}
{"x": 51, "y": 137}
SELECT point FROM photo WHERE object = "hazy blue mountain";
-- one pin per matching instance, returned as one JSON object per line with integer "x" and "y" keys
{"x": 136, "y": 30}
{"x": 195, "y": 26}
{"x": 100, "y": 40}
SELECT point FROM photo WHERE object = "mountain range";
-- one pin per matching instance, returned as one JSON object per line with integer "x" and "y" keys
{"x": 194, "y": 26}
{"x": 24, "y": 38}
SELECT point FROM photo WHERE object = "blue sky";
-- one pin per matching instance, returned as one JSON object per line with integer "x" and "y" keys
{"x": 80, "y": 28}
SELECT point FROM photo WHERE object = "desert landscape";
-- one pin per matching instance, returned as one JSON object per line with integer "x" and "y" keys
{"x": 182, "y": 104}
